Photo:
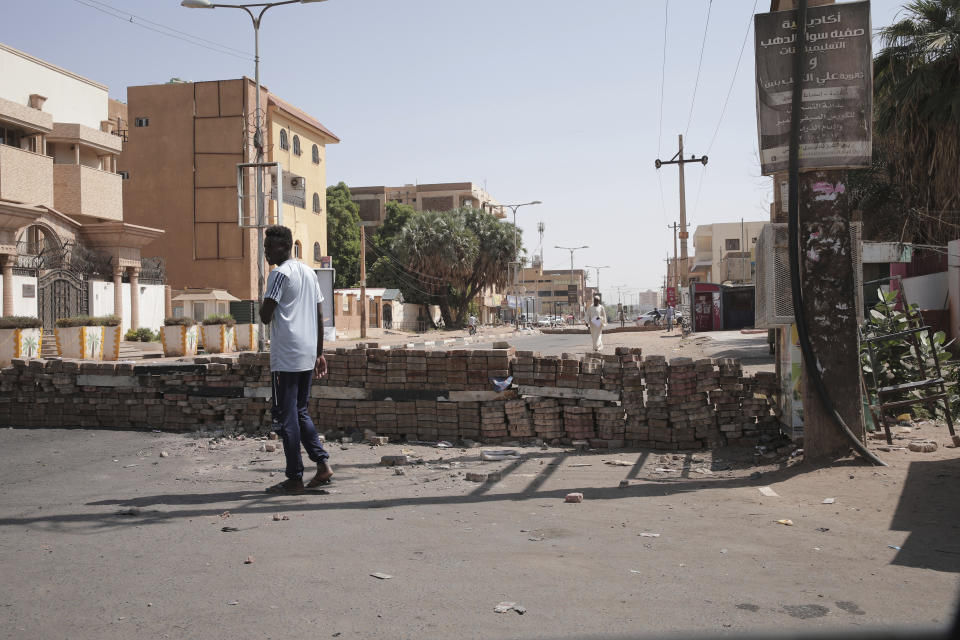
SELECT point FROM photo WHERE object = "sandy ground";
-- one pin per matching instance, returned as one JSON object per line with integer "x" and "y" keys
{"x": 101, "y": 537}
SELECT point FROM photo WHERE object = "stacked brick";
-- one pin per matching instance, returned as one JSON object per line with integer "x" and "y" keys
{"x": 591, "y": 373}
{"x": 658, "y": 415}
{"x": 456, "y": 366}
{"x": 634, "y": 406}
{"x": 468, "y": 419}
{"x": 703, "y": 419}
{"x": 612, "y": 376}
{"x": 726, "y": 400}
{"x": 683, "y": 401}
{"x": 376, "y": 369}
{"x": 493, "y": 421}
{"x": 547, "y": 419}
{"x": 523, "y": 368}
{"x": 578, "y": 421}
{"x": 759, "y": 403}
{"x": 568, "y": 372}
{"x": 448, "y": 422}
{"x": 545, "y": 371}
{"x": 611, "y": 422}
{"x": 519, "y": 419}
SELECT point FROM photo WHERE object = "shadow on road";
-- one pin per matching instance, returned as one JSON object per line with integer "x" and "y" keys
{"x": 929, "y": 510}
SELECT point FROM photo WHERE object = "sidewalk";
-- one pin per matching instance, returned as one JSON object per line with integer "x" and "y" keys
{"x": 390, "y": 339}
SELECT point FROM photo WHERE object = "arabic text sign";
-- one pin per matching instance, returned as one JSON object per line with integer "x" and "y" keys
{"x": 837, "y": 82}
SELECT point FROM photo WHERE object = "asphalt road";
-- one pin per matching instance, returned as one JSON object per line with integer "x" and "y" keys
{"x": 102, "y": 538}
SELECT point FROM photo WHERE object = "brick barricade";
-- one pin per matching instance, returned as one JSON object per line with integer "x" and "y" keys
{"x": 411, "y": 394}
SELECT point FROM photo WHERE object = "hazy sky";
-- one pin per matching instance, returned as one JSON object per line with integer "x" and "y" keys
{"x": 551, "y": 100}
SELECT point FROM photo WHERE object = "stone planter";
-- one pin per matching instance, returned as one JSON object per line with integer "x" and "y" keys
{"x": 81, "y": 343}
{"x": 179, "y": 340}
{"x": 218, "y": 338}
{"x": 19, "y": 343}
{"x": 246, "y": 336}
{"x": 111, "y": 342}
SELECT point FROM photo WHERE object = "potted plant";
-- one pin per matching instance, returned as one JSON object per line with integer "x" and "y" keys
{"x": 246, "y": 336}
{"x": 179, "y": 337}
{"x": 111, "y": 336}
{"x": 20, "y": 337}
{"x": 79, "y": 337}
{"x": 218, "y": 333}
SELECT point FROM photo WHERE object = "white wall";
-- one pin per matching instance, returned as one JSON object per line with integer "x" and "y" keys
{"x": 927, "y": 292}
{"x": 70, "y": 98}
{"x": 23, "y": 306}
{"x": 151, "y": 303}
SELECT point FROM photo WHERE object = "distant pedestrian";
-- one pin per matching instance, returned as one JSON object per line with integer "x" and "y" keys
{"x": 293, "y": 298}
{"x": 669, "y": 318}
{"x": 656, "y": 316}
{"x": 596, "y": 320}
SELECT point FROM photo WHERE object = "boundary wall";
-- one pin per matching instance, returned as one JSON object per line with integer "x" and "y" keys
{"x": 610, "y": 400}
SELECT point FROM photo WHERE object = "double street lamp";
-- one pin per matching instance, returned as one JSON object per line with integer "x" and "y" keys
{"x": 258, "y": 127}
{"x": 516, "y": 272}
{"x": 571, "y": 250}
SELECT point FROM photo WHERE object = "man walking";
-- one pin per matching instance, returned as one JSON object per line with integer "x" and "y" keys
{"x": 293, "y": 298}
{"x": 669, "y": 318}
{"x": 596, "y": 320}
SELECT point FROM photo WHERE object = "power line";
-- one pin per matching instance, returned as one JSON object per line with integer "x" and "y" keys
{"x": 663, "y": 73}
{"x": 696, "y": 82}
{"x": 723, "y": 110}
{"x": 163, "y": 30}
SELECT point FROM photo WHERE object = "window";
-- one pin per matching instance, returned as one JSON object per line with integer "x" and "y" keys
{"x": 283, "y": 140}
{"x": 316, "y": 203}
{"x": 296, "y": 145}
{"x": 316, "y": 252}
{"x": 297, "y": 251}
{"x": 124, "y": 174}
{"x": 732, "y": 244}
{"x": 141, "y": 122}
{"x": 316, "y": 154}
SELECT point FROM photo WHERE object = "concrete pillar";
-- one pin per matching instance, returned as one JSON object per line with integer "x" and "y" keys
{"x": 76, "y": 154}
{"x": 167, "y": 301}
{"x": 134, "y": 273}
{"x": 118, "y": 292}
{"x": 7, "y": 262}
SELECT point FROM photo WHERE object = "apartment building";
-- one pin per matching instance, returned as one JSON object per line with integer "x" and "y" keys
{"x": 180, "y": 162}
{"x": 62, "y": 222}
{"x": 724, "y": 252}
{"x": 372, "y": 201}
{"x": 556, "y": 291}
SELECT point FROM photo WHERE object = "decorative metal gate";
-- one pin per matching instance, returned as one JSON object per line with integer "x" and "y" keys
{"x": 61, "y": 294}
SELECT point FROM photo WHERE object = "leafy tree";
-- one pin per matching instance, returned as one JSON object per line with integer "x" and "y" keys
{"x": 917, "y": 117}
{"x": 343, "y": 235}
{"x": 455, "y": 255}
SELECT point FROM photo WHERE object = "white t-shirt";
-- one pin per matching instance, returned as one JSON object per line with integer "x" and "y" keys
{"x": 293, "y": 330}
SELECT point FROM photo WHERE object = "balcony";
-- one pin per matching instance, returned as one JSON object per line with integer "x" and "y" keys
{"x": 80, "y": 190}
{"x": 26, "y": 118}
{"x": 101, "y": 142}
{"x": 26, "y": 176}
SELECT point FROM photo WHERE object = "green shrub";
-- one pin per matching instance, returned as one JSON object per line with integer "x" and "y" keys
{"x": 20, "y": 322}
{"x": 225, "y": 318}
{"x": 75, "y": 321}
{"x": 106, "y": 321}
{"x": 144, "y": 334}
{"x": 171, "y": 321}
{"x": 131, "y": 335}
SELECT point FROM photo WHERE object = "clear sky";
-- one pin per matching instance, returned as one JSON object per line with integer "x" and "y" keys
{"x": 552, "y": 100}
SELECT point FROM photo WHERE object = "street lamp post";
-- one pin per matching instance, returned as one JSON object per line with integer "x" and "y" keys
{"x": 590, "y": 266}
{"x": 571, "y": 250}
{"x": 513, "y": 208}
{"x": 258, "y": 131}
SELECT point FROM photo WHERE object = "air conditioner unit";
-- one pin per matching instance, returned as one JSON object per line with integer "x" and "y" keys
{"x": 773, "y": 298}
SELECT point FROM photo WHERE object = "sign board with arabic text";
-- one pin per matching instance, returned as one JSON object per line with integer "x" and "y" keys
{"x": 837, "y": 83}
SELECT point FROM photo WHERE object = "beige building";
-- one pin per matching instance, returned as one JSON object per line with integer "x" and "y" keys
{"x": 180, "y": 162}
{"x": 62, "y": 223}
{"x": 372, "y": 201}
{"x": 724, "y": 252}
{"x": 552, "y": 289}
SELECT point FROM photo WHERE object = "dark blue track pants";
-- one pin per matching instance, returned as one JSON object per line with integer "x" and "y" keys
{"x": 291, "y": 420}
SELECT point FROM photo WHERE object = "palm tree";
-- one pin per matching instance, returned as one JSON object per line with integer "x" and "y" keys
{"x": 917, "y": 110}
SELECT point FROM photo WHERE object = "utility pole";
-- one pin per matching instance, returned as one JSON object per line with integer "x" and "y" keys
{"x": 572, "y": 284}
{"x": 363, "y": 282}
{"x": 516, "y": 273}
{"x": 679, "y": 160}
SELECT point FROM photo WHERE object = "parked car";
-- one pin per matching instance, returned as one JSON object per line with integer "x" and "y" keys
{"x": 649, "y": 318}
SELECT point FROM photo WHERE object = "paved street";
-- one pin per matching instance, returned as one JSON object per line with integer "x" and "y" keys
{"x": 100, "y": 537}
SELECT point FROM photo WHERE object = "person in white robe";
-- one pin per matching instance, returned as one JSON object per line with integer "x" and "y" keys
{"x": 596, "y": 321}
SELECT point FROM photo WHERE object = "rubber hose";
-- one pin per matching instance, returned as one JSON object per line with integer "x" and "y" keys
{"x": 800, "y": 320}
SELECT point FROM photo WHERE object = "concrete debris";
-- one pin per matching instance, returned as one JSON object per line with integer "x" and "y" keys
{"x": 273, "y": 435}
{"x": 378, "y": 441}
{"x": 767, "y": 491}
{"x": 381, "y": 576}
{"x": 646, "y": 534}
{"x": 923, "y": 446}
{"x": 573, "y": 497}
{"x": 786, "y": 521}
{"x": 619, "y": 463}
{"x": 828, "y": 501}
{"x": 164, "y": 454}
{"x": 398, "y": 471}
{"x": 278, "y": 517}
{"x": 394, "y": 461}
{"x": 504, "y": 607}
{"x": 481, "y": 476}
{"x": 499, "y": 454}
{"x": 249, "y": 560}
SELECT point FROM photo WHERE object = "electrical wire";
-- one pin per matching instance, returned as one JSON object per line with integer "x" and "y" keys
{"x": 696, "y": 82}
{"x": 811, "y": 365}
{"x": 163, "y": 30}
{"x": 663, "y": 73}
